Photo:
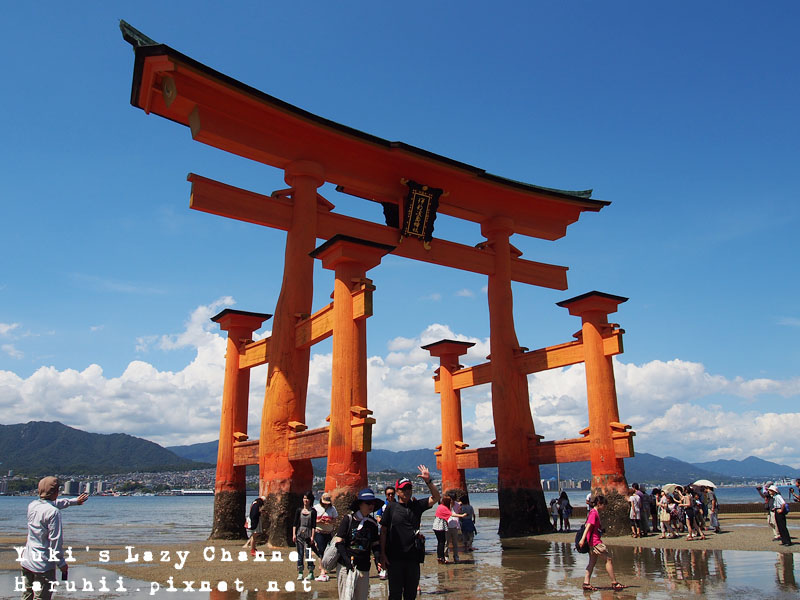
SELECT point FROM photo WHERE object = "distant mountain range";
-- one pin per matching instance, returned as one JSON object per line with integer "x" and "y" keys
{"x": 642, "y": 467}
{"x": 39, "y": 447}
{"x": 44, "y": 448}
{"x": 750, "y": 467}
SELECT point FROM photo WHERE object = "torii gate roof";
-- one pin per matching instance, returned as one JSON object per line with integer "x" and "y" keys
{"x": 237, "y": 118}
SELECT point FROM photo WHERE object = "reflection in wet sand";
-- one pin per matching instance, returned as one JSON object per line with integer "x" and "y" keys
{"x": 530, "y": 568}
{"x": 784, "y": 568}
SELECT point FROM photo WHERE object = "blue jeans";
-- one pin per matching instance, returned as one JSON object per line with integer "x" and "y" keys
{"x": 301, "y": 546}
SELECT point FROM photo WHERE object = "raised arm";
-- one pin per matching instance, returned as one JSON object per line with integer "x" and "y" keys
{"x": 425, "y": 475}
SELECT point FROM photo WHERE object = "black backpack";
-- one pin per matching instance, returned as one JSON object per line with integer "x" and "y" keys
{"x": 578, "y": 535}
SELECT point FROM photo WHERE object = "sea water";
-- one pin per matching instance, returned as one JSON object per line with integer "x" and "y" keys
{"x": 167, "y": 519}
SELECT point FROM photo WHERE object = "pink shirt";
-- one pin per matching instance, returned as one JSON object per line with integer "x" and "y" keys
{"x": 594, "y": 535}
{"x": 443, "y": 512}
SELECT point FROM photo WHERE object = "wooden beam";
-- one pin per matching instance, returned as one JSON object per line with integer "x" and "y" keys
{"x": 535, "y": 361}
{"x": 319, "y": 326}
{"x": 254, "y": 354}
{"x": 245, "y": 453}
{"x": 313, "y": 443}
{"x": 224, "y": 200}
{"x": 315, "y": 328}
{"x": 477, "y": 458}
{"x": 546, "y": 453}
{"x": 471, "y": 376}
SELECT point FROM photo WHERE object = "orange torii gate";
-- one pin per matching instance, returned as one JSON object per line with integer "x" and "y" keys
{"x": 605, "y": 442}
{"x": 310, "y": 150}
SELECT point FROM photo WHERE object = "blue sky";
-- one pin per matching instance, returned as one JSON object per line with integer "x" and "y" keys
{"x": 682, "y": 115}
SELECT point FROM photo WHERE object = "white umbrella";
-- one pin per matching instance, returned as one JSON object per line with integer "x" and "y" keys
{"x": 669, "y": 488}
{"x": 704, "y": 483}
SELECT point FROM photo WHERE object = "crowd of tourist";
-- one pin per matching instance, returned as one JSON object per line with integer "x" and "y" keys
{"x": 673, "y": 511}
{"x": 694, "y": 509}
{"x": 386, "y": 532}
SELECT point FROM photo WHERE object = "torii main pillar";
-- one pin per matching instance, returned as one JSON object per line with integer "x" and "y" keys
{"x": 350, "y": 258}
{"x": 229, "y": 488}
{"x": 448, "y": 351}
{"x": 520, "y": 497}
{"x": 283, "y": 481}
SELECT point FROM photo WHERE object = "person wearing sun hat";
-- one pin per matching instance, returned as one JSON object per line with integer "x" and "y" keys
{"x": 45, "y": 536}
{"x": 357, "y": 540}
{"x": 399, "y": 532}
{"x": 780, "y": 509}
{"x": 769, "y": 506}
{"x": 323, "y": 532}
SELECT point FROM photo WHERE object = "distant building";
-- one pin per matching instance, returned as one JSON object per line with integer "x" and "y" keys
{"x": 101, "y": 486}
{"x": 71, "y": 488}
{"x": 11, "y": 472}
{"x": 3, "y": 486}
{"x": 549, "y": 485}
{"x": 586, "y": 484}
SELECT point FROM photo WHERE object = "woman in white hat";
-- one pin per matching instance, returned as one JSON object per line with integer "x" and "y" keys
{"x": 780, "y": 509}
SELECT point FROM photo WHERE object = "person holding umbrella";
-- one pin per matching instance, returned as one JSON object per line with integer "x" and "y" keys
{"x": 705, "y": 487}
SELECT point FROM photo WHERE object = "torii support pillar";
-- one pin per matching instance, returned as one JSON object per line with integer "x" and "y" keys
{"x": 448, "y": 351}
{"x": 608, "y": 471}
{"x": 283, "y": 481}
{"x": 519, "y": 486}
{"x": 229, "y": 489}
{"x": 350, "y": 258}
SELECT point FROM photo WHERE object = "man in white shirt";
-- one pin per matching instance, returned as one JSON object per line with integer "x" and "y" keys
{"x": 44, "y": 547}
{"x": 769, "y": 504}
{"x": 780, "y": 509}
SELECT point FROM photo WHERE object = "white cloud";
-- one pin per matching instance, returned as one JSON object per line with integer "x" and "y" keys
{"x": 465, "y": 293}
{"x": 665, "y": 401}
{"x": 435, "y": 297}
{"x": 11, "y": 351}
{"x": 7, "y": 328}
{"x": 94, "y": 328}
{"x": 790, "y": 321}
{"x": 400, "y": 343}
{"x": 144, "y": 342}
{"x": 198, "y": 328}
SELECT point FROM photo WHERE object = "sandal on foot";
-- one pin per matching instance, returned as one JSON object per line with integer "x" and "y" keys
{"x": 588, "y": 587}
{"x": 617, "y": 586}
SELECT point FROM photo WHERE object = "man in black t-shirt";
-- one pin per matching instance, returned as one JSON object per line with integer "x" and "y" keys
{"x": 399, "y": 528}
